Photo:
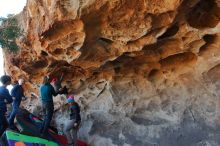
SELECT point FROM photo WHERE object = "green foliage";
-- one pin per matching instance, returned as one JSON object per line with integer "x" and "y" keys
{"x": 9, "y": 31}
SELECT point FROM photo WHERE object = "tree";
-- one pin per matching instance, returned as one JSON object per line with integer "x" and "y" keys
{"x": 9, "y": 32}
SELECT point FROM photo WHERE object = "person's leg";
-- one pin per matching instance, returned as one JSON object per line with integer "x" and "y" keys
{"x": 69, "y": 124}
{"x": 3, "y": 123}
{"x": 74, "y": 136}
{"x": 12, "y": 116}
{"x": 49, "y": 115}
{"x": 45, "y": 116}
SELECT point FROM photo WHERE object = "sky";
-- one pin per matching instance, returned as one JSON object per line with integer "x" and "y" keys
{"x": 9, "y": 7}
{"x": 1, "y": 63}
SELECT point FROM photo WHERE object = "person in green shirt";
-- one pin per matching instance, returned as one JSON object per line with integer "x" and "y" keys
{"x": 46, "y": 93}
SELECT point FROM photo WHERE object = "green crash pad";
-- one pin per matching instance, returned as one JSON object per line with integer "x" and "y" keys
{"x": 13, "y": 137}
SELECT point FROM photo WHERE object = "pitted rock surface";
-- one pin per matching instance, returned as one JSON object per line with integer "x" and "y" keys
{"x": 145, "y": 72}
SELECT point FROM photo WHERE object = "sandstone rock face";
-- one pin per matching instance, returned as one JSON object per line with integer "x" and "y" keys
{"x": 145, "y": 72}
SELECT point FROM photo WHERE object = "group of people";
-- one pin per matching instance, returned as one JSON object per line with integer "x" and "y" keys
{"x": 48, "y": 90}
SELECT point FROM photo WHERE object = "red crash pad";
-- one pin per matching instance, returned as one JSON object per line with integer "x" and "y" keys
{"x": 62, "y": 140}
{"x": 30, "y": 125}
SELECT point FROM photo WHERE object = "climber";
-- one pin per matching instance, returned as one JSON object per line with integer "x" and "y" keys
{"x": 5, "y": 98}
{"x": 73, "y": 122}
{"x": 56, "y": 83}
{"x": 17, "y": 94}
{"x": 46, "y": 93}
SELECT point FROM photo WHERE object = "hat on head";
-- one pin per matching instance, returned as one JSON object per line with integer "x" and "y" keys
{"x": 71, "y": 96}
{"x": 5, "y": 78}
{"x": 70, "y": 99}
{"x": 54, "y": 80}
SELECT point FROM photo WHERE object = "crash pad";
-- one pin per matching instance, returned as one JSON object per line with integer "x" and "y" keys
{"x": 30, "y": 124}
{"x": 16, "y": 139}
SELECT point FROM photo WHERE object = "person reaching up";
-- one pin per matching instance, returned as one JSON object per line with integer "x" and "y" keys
{"x": 57, "y": 84}
{"x": 46, "y": 93}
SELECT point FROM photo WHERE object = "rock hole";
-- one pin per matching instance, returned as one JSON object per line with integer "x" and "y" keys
{"x": 40, "y": 64}
{"x": 209, "y": 38}
{"x": 153, "y": 73}
{"x": 15, "y": 62}
{"x": 170, "y": 32}
{"x": 43, "y": 53}
{"x": 108, "y": 41}
{"x": 202, "y": 16}
{"x": 205, "y": 5}
{"x": 117, "y": 69}
{"x": 95, "y": 73}
{"x": 58, "y": 51}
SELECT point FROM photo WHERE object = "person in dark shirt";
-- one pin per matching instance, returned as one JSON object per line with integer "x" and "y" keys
{"x": 17, "y": 94}
{"x": 73, "y": 122}
{"x": 5, "y": 98}
{"x": 46, "y": 93}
